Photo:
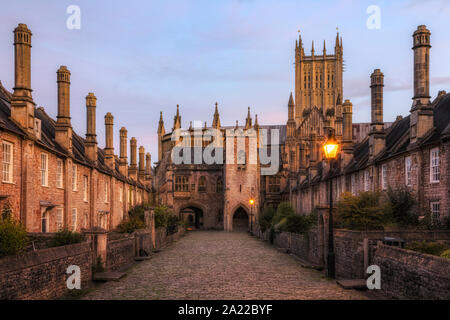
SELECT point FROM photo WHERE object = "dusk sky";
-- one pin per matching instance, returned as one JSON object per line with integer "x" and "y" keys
{"x": 140, "y": 57}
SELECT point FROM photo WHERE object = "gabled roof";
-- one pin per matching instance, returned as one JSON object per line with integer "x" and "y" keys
{"x": 48, "y": 138}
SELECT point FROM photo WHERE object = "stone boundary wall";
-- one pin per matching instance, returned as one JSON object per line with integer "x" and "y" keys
{"x": 120, "y": 253}
{"x": 350, "y": 253}
{"x": 42, "y": 274}
{"x": 163, "y": 240}
{"x": 408, "y": 274}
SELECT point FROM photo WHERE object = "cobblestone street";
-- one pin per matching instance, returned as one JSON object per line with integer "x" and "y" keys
{"x": 221, "y": 265}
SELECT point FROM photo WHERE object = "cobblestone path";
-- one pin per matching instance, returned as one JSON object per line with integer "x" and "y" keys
{"x": 221, "y": 265}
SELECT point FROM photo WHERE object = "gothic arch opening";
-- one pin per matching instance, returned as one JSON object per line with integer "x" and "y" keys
{"x": 240, "y": 220}
{"x": 193, "y": 216}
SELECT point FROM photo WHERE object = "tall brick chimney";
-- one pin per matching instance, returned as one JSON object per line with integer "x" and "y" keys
{"x": 90, "y": 146}
{"x": 421, "y": 120}
{"x": 141, "y": 163}
{"x": 123, "y": 160}
{"x": 376, "y": 134}
{"x": 109, "y": 148}
{"x": 63, "y": 127}
{"x": 148, "y": 166}
{"x": 22, "y": 105}
{"x": 347, "y": 137}
{"x": 132, "y": 170}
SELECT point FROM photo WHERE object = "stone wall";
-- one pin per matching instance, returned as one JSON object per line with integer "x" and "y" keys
{"x": 42, "y": 274}
{"x": 408, "y": 274}
{"x": 120, "y": 253}
{"x": 163, "y": 240}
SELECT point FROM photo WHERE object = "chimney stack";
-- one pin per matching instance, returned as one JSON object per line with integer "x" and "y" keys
{"x": 347, "y": 138}
{"x": 91, "y": 136}
{"x": 63, "y": 127}
{"x": 141, "y": 163}
{"x": 109, "y": 148}
{"x": 148, "y": 166}
{"x": 376, "y": 134}
{"x": 22, "y": 105}
{"x": 132, "y": 170}
{"x": 123, "y": 160}
{"x": 421, "y": 120}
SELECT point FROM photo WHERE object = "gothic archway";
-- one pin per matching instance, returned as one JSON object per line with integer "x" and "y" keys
{"x": 193, "y": 215}
{"x": 240, "y": 220}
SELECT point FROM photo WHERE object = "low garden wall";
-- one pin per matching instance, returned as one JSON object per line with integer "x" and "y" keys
{"x": 42, "y": 274}
{"x": 120, "y": 253}
{"x": 163, "y": 240}
{"x": 409, "y": 274}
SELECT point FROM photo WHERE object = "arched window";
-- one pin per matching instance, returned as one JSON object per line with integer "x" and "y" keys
{"x": 219, "y": 185}
{"x": 202, "y": 184}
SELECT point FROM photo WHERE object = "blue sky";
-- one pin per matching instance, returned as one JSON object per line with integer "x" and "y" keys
{"x": 140, "y": 57}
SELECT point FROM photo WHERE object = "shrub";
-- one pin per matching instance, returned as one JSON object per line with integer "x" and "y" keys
{"x": 6, "y": 210}
{"x": 445, "y": 254}
{"x": 283, "y": 211}
{"x": 13, "y": 236}
{"x": 298, "y": 223}
{"x": 428, "y": 247}
{"x": 65, "y": 237}
{"x": 362, "y": 212}
{"x": 266, "y": 217}
{"x": 172, "y": 224}
{"x": 161, "y": 217}
{"x": 401, "y": 202}
{"x": 130, "y": 224}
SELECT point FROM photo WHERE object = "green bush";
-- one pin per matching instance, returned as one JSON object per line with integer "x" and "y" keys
{"x": 65, "y": 237}
{"x": 162, "y": 214}
{"x": 362, "y": 212}
{"x": 266, "y": 217}
{"x": 6, "y": 210}
{"x": 429, "y": 247}
{"x": 13, "y": 236}
{"x": 445, "y": 254}
{"x": 400, "y": 205}
{"x": 299, "y": 223}
{"x": 283, "y": 211}
{"x": 172, "y": 224}
{"x": 130, "y": 224}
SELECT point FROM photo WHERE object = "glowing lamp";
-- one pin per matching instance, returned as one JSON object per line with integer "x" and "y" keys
{"x": 331, "y": 147}
{"x": 252, "y": 202}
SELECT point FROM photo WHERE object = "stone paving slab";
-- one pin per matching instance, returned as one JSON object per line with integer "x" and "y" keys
{"x": 222, "y": 265}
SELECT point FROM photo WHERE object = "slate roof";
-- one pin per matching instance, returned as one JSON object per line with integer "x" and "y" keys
{"x": 48, "y": 139}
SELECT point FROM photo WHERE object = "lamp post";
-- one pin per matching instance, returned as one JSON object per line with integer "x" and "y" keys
{"x": 331, "y": 148}
{"x": 251, "y": 202}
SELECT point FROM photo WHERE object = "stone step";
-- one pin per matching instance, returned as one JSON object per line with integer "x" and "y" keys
{"x": 306, "y": 264}
{"x": 108, "y": 276}
{"x": 142, "y": 258}
{"x": 358, "y": 284}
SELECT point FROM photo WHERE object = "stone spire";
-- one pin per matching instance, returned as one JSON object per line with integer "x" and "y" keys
{"x": 22, "y": 105}
{"x": 248, "y": 120}
{"x": 109, "y": 139}
{"x": 161, "y": 133}
{"x": 312, "y": 48}
{"x": 291, "y": 119}
{"x": 63, "y": 127}
{"x": 216, "y": 119}
{"x": 90, "y": 145}
{"x": 177, "y": 119}
{"x": 123, "y": 160}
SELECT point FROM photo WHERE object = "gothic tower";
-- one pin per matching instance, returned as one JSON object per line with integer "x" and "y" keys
{"x": 318, "y": 79}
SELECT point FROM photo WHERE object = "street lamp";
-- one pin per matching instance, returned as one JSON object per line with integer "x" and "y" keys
{"x": 251, "y": 202}
{"x": 331, "y": 148}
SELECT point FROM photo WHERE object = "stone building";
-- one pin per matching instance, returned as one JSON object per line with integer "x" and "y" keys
{"x": 411, "y": 151}
{"x": 51, "y": 176}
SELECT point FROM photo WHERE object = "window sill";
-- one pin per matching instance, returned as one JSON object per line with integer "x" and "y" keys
{"x": 7, "y": 182}
{"x": 435, "y": 182}
{"x": 45, "y": 186}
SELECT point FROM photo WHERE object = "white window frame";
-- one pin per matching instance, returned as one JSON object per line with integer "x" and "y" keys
{"x": 59, "y": 218}
{"x": 7, "y": 162}
{"x": 366, "y": 180}
{"x": 44, "y": 169}
{"x": 435, "y": 207}
{"x": 59, "y": 173}
{"x": 121, "y": 193}
{"x": 74, "y": 218}
{"x": 435, "y": 170}
{"x": 85, "y": 188}
{"x": 74, "y": 177}
{"x": 408, "y": 171}
{"x": 384, "y": 183}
